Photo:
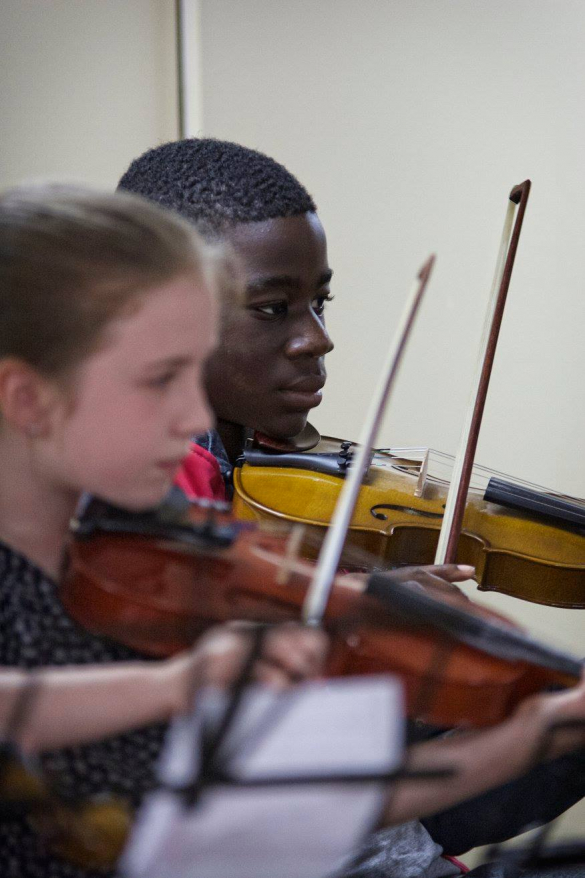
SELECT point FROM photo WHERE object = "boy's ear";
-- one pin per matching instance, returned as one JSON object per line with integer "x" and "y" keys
{"x": 25, "y": 397}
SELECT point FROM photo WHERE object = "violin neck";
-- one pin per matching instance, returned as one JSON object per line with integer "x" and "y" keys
{"x": 554, "y": 510}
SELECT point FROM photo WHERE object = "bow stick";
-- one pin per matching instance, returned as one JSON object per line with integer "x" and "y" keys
{"x": 328, "y": 561}
{"x": 463, "y": 465}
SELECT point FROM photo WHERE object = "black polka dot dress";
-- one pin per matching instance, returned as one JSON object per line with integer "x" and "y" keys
{"x": 36, "y": 631}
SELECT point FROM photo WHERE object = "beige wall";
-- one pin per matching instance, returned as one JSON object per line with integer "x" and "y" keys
{"x": 85, "y": 86}
{"x": 409, "y": 121}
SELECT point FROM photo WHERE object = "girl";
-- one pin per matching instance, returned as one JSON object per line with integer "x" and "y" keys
{"x": 108, "y": 316}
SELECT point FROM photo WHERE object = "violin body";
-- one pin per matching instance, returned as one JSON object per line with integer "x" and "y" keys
{"x": 399, "y": 513}
{"x": 159, "y": 594}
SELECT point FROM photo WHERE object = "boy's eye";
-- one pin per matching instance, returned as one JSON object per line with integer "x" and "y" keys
{"x": 319, "y": 303}
{"x": 272, "y": 309}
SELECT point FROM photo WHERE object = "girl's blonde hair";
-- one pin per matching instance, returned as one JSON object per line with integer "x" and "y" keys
{"x": 72, "y": 259}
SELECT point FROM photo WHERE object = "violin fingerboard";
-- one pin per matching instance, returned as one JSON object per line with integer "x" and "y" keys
{"x": 554, "y": 510}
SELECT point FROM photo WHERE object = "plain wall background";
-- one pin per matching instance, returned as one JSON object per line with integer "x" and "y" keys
{"x": 85, "y": 87}
{"x": 409, "y": 121}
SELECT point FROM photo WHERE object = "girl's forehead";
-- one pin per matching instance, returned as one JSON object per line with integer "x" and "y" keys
{"x": 174, "y": 318}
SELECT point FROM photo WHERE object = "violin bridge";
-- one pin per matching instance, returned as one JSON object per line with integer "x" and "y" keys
{"x": 291, "y": 554}
{"x": 422, "y": 476}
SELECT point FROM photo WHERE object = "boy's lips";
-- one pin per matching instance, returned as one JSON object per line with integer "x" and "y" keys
{"x": 306, "y": 384}
{"x": 304, "y": 393}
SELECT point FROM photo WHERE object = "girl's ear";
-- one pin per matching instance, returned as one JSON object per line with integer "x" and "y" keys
{"x": 25, "y": 397}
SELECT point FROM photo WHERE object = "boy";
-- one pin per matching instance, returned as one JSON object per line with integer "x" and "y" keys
{"x": 266, "y": 374}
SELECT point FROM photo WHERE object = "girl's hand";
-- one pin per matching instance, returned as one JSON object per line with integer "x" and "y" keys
{"x": 290, "y": 653}
{"x": 555, "y": 709}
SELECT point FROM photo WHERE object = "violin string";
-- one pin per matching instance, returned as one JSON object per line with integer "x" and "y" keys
{"x": 446, "y": 460}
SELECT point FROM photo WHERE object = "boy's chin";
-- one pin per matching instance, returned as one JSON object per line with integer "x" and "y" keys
{"x": 285, "y": 428}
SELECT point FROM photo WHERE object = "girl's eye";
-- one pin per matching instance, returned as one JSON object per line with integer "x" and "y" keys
{"x": 272, "y": 309}
{"x": 319, "y": 303}
{"x": 159, "y": 382}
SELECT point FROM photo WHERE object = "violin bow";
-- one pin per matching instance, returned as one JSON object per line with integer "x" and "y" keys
{"x": 463, "y": 465}
{"x": 328, "y": 561}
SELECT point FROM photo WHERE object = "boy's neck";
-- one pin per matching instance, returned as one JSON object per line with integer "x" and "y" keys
{"x": 233, "y": 437}
{"x": 34, "y": 513}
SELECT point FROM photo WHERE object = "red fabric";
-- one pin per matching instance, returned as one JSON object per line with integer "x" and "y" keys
{"x": 457, "y": 863}
{"x": 200, "y": 475}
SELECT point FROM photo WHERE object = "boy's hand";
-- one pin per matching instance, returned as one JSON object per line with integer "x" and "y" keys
{"x": 438, "y": 580}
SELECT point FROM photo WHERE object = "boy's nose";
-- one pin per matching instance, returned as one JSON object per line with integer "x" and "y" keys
{"x": 312, "y": 340}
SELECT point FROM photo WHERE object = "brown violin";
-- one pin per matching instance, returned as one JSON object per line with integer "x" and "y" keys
{"x": 156, "y": 582}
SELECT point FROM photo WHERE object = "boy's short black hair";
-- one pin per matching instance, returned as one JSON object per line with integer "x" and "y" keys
{"x": 216, "y": 184}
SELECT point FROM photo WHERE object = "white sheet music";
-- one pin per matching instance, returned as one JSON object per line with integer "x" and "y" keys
{"x": 326, "y": 727}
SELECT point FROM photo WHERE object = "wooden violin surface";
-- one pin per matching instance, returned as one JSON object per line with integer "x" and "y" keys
{"x": 157, "y": 592}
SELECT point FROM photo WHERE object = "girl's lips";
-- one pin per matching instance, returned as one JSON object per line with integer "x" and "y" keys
{"x": 170, "y": 466}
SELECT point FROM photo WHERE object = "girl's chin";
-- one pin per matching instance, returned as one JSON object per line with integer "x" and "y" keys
{"x": 143, "y": 502}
